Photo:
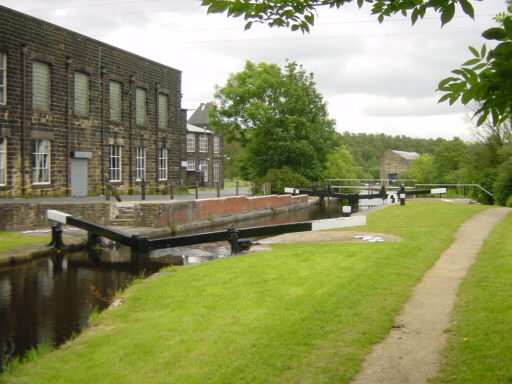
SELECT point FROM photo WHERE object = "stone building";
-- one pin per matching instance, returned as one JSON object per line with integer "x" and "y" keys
{"x": 204, "y": 150}
{"x": 76, "y": 114}
{"x": 392, "y": 163}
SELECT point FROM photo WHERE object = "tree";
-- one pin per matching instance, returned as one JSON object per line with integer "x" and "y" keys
{"x": 278, "y": 117}
{"x": 340, "y": 165}
{"x": 300, "y": 15}
{"x": 422, "y": 169}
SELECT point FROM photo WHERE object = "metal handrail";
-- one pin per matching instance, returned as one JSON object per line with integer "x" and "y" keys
{"x": 458, "y": 185}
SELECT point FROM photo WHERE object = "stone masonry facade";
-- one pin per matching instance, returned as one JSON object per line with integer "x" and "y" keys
{"x": 110, "y": 116}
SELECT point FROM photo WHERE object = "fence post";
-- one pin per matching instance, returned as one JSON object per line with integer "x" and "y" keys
{"x": 236, "y": 188}
{"x": 143, "y": 189}
{"x": 197, "y": 190}
{"x": 253, "y": 188}
{"x": 171, "y": 190}
{"x": 218, "y": 189}
{"x": 107, "y": 193}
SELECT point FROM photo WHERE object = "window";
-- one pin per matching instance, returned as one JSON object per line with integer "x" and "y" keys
{"x": 3, "y": 78}
{"x": 162, "y": 110}
{"x": 216, "y": 170}
{"x": 140, "y": 163}
{"x": 191, "y": 165}
{"x": 115, "y": 163}
{"x": 81, "y": 94}
{"x": 216, "y": 144}
{"x": 162, "y": 164}
{"x": 3, "y": 161}
{"x": 41, "y": 85}
{"x": 191, "y": 142}
{"x": 203, "y": 143}
{"x": 203, "y": 166}
{"x": 140, "y": 106}
{"x": 41, "y": 170}
{"x": 115, "y": 101}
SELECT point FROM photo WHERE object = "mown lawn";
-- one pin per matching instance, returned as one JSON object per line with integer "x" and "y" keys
{"x": 12, "y": 240}
{"x": 302, "y": 313}
{"x": 480, "y": 340}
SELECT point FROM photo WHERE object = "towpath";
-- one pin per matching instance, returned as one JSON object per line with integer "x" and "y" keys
{"x": 411, "y": 352}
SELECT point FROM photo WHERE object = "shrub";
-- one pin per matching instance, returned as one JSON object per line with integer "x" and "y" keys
{"x": 281, "y": 178}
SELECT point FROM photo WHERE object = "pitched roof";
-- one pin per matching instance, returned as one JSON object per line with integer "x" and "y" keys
{"x": 200, "y": 116}
{"x": 406, "y": 155}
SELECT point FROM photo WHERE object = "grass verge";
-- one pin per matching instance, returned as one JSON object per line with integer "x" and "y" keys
{"x": 303, "y": 313}
{"x": 479, "y": 346}
{"x": 11, "y": 240}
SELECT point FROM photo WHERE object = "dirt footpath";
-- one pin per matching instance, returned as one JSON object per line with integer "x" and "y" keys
{"x": 410, "y": 353}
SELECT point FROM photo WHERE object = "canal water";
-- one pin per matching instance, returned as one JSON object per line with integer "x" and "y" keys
{"x": 47, "y": 301}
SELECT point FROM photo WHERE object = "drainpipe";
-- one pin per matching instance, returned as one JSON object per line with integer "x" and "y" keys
{"x": 157, "y": 126}
{"x": 68, "y": 125}
{"x": 102, "y": 153}
{"x": 130, "y": 166}
{"x": 23, "y": 114}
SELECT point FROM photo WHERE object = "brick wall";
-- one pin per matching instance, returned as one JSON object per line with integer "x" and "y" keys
{"x": 25, "y": 39}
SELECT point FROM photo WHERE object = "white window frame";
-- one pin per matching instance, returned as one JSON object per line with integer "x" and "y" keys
{"x": 41, "y": 83}
{"x": 140, "y": 163}
{"x": 203, "y": 143}
{"x": 41, "y": 169}
{"x": 216, "y": 144}
{"x": 191, "y": 142}
{"x": 216, "y": 171}
{"x": 115, "y": 98}
{"x": 162, "y": 164}
{"x": 81, "y": 93}
{"x": 163, "y": 110}
{"x": 203, "y": 166}
{"x": 191, "y": 165}
{"x": 3, "y": 78}
{"x": 115, "y": 165}
{"x": 3, "y": 161}
{"x": 140, "y": 105}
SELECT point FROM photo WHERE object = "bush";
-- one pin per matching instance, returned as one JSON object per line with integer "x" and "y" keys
{"x": 509, "y": 201}
{"x": 281, "y": 178}
{"x": 503, "y": 185}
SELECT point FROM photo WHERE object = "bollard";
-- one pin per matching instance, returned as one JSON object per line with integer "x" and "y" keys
{"x": 143, "y": 189}
{"x": 401, "y": 194}
{"x": 171, "y": 191}
{"x": 383, "y": 193}
{"x": 218, "y": 189}
{"x": 197, "y": 190}
{"x": 56, "y": 241}
{"x": 236, "y": 188}
{"x": 233, "y": 239}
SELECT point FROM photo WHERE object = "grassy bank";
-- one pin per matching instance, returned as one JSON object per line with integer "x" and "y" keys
{"x": 480, "y": 341}
{"x": 11, "y": 241}
{"x": 304, "y": 313}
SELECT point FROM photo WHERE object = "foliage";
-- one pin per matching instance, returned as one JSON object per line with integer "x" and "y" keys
{"x": 503, "y": 185}
{"x": 479, "y": 347}
{"x": 451, "y": 161}
{"x": 340, "y": 165}
{"x": 487, "y": 78}
{"x": 422, "y": 169}
{"x": 302, "y": 313}
{"x": 300, "y": 15}
{"x": 282, "y": 178}
{"x": 278, "y": 117}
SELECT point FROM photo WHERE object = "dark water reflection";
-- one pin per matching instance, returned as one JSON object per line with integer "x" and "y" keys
{"x": 47, "y": 302}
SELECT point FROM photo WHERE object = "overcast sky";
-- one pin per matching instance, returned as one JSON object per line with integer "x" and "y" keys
{"x": 376, "y": 78}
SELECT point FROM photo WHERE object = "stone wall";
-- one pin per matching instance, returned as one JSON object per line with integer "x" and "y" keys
{"x": 156, "y": 214}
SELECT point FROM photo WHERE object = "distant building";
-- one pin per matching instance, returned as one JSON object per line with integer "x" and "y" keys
{"x": 204, "y": 151}
{"x": 76, "y": 113}
{"x": 392, "y": 163}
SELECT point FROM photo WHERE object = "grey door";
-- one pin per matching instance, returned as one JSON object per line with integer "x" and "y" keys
{"x": 79, "y": 173}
